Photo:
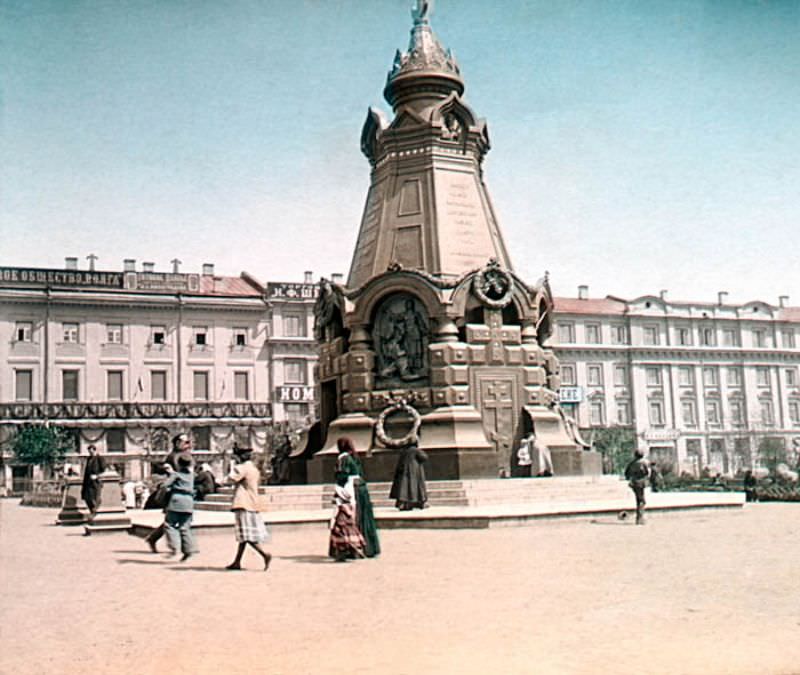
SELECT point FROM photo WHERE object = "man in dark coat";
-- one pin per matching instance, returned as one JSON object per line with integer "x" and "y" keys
{"x": 636, "y": 473}
{"x": 181, "y": 444}
{"x": 408, "y": 486}
{"x": 92, "y": 488}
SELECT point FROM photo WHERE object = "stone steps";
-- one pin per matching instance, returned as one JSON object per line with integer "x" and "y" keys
{"x": 483, "y": 492}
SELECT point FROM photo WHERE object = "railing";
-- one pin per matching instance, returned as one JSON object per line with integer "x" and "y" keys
{"x": 100, "y": 411}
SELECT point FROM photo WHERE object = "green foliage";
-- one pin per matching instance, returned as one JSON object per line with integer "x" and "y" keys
{"x": 772, "y": 452}
{"x": 616, "y": 444}
{"x": 42, "y": 445}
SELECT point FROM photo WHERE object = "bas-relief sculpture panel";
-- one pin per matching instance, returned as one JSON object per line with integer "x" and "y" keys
{"x": 400, "y": 339}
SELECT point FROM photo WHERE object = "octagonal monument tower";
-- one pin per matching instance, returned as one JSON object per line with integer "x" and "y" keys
{"x": 434, "y": 336}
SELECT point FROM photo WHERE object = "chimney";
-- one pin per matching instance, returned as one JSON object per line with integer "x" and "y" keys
{"x": 208, "y": 269}
{"x": 308, "y": 274}
{"x": 336, "y": 278}
{"x": 71, "y": 263}
{"x": 663, "y": 294}
{"x": 148, "y": 267}
{"x": 583, "y": 292}
{"x": 722, "y": 297}
{"x": 782, "y": 300}
{"x": 129, "y": 265}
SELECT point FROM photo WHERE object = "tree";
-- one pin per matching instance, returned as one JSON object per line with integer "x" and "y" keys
{"x": 772, "y": 452}
{"x": 616, "y": 444}
{"x": 41, "y": 444}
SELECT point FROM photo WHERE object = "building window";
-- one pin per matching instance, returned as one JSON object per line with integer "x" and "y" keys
{"x": 620, "y": 376}
{"x": 241, "y": 386}
{"x": 114, "y": 333}
{"x": 23, "y": 332}
{"x": 240, "y": 337}
{"x": 730, "y": 337}
{"x": 70, "y": 333}
{"x": 759, "y": 337}
{"x": 787, "y": 338}
{"x": 293, "y": 325}
{"x": 737, "y": 411}
{"x": 201, "y": 438}
{"x": 685, "y": 376}
{"x": 566, "y": 333}
{"x": 158, "y": 335}
{"x": 711, "y": 376}
{"x": 200, "y": 385}
{"x": 568, "y": 374}
{"x": 295, "y": 412}
{"x": 619, "y": 334}
{"x": 653, "y": 376}
{"x": 623, "y": 412}
{"x": 114, "y": 385}
{"x": 23, "y": 385}
{"x": 734, "y": 377}
{"x": 767, "y": 413}
{"x": 762, "y": 376}
{"x": 200, "y": 336}
{"x": 115, "y": 440}
{"x": 708, "y": 336}
{"x": 689, "y": 412}
{"x": 594, "y": 375}
{"x": 294, "y": 371}
{"x": 596, "y": 413}
{"x": 593, "y": 333}
{"x": 656, "y": 409}
{"x": 794, "y": 412}
{"x": 158, "y": 385}
{"x": 791, "y": 377}
{"x": 683, "y": 335}
{"x": 650, "y": 335}
{"x": 69, "y": 385}
{"x": 713, "y": 414}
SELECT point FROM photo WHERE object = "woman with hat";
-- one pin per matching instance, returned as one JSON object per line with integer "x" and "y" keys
{"x": 250, "y": 528}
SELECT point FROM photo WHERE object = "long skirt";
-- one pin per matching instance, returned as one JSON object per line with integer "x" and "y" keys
{"x": 346, "y": 540}
{"x": 366, "y": 521}
{"x": 250, "y": 527}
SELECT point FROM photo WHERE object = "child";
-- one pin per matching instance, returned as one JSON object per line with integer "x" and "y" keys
{"x": 346, "y": 540}
{"x": 178, "y": 520}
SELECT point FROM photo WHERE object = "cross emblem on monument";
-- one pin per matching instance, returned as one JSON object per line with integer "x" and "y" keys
{"x": 494, "y": 320}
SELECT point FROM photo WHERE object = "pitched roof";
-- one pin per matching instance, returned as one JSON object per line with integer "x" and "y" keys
{"x": 789, "y": 314}
{"x": 213, "y": 285}
{"x": 589, "y": 306}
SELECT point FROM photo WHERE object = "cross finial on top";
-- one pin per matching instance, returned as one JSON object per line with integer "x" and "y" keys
{"x": 421, "y": 10}
{"x": 91, "y": 258}
{"x": 176, "y": 265}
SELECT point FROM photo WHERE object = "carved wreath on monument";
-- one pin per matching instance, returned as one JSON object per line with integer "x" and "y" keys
{"x": 400, "y": 338}
{"x": 492, "y": 285}
{"x": 401, "y": 405}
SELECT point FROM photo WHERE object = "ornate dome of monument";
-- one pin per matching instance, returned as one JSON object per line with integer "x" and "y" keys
{"x": 427, "y": 72}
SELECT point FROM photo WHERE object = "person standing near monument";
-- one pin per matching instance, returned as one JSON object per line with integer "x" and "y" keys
{"x": 524, "y": 460}
{"x": 408, "y": 487}
{"x": 91, "y": 490}
{"x": 346, "y": 541}
{"x": 249, "y": 527}
{"x": 350, "y": 472}
{"x": 180, "y": 444}
{"x": 178, "y": 520}
{"x": 637, "y": 473}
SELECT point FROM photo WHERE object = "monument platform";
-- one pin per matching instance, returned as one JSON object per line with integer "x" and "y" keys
{"x": 489, "y": 503}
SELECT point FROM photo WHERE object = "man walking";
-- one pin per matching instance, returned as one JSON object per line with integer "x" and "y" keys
{"x": 180, "y": 444}
{"x": 636, "y": 473}
{"x": 91, "y": 488}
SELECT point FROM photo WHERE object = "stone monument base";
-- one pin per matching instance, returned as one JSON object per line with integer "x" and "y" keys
{"x": 111, "y": 515}
{"x": 576, "y": 462}
{"x": 71, "y": 513}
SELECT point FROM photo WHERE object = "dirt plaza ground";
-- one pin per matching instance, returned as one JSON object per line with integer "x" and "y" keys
{"x": 698, "y": 592}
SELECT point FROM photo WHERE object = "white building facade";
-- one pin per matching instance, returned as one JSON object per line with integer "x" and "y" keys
{"x": 126, "y": 359}
{"x": 699, "y": 383}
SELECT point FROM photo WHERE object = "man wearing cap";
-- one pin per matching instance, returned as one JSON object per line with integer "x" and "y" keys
{"x": 180, "y": 444}
{"x": 636, "y": 473}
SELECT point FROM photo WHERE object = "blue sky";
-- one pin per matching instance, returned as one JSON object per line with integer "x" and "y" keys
{"x": 637, "y": 145}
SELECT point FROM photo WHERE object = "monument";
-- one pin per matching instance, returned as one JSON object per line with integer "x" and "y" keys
{"x": 434, "y": 336}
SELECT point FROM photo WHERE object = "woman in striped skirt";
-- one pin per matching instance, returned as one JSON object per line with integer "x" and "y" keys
{"x": 250, "y": 528}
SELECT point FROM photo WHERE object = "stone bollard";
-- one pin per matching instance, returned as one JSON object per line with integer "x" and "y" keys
{"x": 111, "y": 515}
{"x": 71, "y": 512}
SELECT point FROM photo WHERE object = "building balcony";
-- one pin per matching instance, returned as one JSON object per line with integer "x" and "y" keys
{"x": 108, "y": 414}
